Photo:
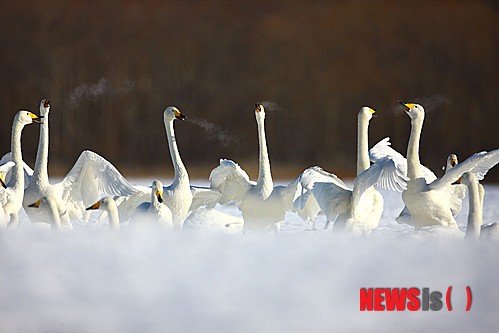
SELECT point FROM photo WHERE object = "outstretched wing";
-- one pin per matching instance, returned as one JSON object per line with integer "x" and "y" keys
{"x": 382, "y": 150}
{"x": 230, "y": 181}
{"x": 479, "y": 164}
{"x": 204, "y": 196}
{"x": 92, "y": 177}
{"x": 6, "y": 165}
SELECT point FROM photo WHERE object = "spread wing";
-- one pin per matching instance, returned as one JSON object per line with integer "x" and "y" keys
{"x": 230, "y": 181}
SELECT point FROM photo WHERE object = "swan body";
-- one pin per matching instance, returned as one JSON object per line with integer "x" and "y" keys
{"x": 154, "y": 210}
{"x": 108, "y": 205}
{"x": 358, "y": 210}
{"x": 50, "y": 206}
{"x": 91, "y": 177}
{"x": 262, "y": 205}
{"x": 11, "y": 197}
{"x": 432, "y": 203}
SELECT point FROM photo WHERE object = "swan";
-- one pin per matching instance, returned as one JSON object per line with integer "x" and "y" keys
{"x": 50, "y": 205}
{"x": 180, "y": 197}
{"x": 431, "y": 203}
{"x": 154, "y": 210}
{"x": 90, "y": 178}
{"x": 358, "y": 210}
{"x": 262, "y": 205}
{"x": 11, "y": 197}
{"x": 475, "y": 195}
{"x": 108, "y": 205}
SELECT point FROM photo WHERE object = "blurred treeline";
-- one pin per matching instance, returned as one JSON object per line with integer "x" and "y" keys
{"x": 110, "y": 68}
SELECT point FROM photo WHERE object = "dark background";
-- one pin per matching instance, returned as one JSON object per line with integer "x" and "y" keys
{"x": 110, "y": 68}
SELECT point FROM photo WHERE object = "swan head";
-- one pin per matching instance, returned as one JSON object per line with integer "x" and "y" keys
{"x": 43, "y": 202}
{"x": 172, "y": 113}
{"x": 413, "y": 110}
{"x": 366, "y": 112}
{"x": 26, "y": 117}
{"x": 44, "y": 106}
{"x": 259, "y": 111}
{"x": 451, "y": 161}
{"x": 103, "y": 203}
{"x": 157, "y": 190}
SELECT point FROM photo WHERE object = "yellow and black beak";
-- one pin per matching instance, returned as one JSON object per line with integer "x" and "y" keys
{"x": 406, "y": 106}
{"x": 94, "y": 206}
{"x": 36, "y": 204}
{"x": 258, "y": 107}
{"x": 373, "y": 111}
{"x": 35, "y": 118}
{"x": 179, "y": 115}
{"x": 2, "y": 181}
{"x": 159, "y": 195}
{"x": 453, "y": 162}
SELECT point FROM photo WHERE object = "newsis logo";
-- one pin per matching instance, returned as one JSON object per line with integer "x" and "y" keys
{"x": 408, "y": 299}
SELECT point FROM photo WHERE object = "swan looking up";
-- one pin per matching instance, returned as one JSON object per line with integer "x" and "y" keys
{"x": 91, "y": 177}
{"x": 262, "y": 205}
{"x": 11, "y": 197}
{"x": 431, "y": 203}
{"x": 358, "y": 210}
{"x": 108, "y": 205}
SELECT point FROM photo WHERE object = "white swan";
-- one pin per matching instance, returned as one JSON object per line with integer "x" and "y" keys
{"x": 108, "y": 205}
{"x": 262, "y": 205}
{"x": 11, "y": 197}
{"x": 358, "y": 210}
{"x": 91, "y": 177}
{"x": 475, "y": 194}
{"x": 431, "y": 203}
{"x": 154, "y": 210}
{"x": 179, "y": 197}
{"x": 49, "y": 205}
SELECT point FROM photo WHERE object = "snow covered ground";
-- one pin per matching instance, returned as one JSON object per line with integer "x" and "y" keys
{"x": 150, "y": 280}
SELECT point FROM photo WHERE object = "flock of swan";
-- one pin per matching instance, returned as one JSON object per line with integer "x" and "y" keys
{"x": 94, "y": 183}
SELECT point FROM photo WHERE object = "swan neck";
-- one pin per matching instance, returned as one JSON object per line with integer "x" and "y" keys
{"x": 180, "y": 170}
{"x": 40, "y": 173}
{"x": 475, "y": 211}
{"x": 114, "y": 221}
{"x": 17, "y": 179}
{"x": 54, "y": 213}
{"x": 264, "y": 173}
{"x": 413, "y": 163}
{"x": 362, "y": 145}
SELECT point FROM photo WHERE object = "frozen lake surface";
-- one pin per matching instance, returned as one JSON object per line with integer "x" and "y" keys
{"x": 151, "y": 280}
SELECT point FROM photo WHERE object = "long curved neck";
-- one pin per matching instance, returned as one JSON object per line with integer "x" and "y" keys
{"x": 40, "y": 173}
{"x": 362, "y": 145}
{"x": 17, "y": 179}
{"x": 112, "y": 213}
{"x": 180, "y": 170}
{"x": 475, "y": 212}
{"x": 264, "y": 173}
{"x": 413, "y": 163}
{"x": 54, "y": 213}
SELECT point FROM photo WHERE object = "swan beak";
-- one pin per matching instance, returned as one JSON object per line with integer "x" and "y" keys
{"x": 373, "y": 111}
{"x": 2, "y": 182}
{"x": 159, "y": 195}
{"x": 453, "y": 162}
{"x": 406, "y": 106}
{"x": 459, "y": 180}
{"x": 36, "y": 204}
{"x": 258, "y": 107}
{"x": 179, "y": 115}
{"x": 35, "y": 118}
{"x": 46, "y": 103}
{"x": 94, "y": 206}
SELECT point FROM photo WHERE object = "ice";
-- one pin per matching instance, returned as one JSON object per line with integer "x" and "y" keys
{"x": 210, "y": 280}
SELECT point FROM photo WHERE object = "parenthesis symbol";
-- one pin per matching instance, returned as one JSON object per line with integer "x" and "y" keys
{"x": 469, "y": 298}
{"x": 447, "y": 298}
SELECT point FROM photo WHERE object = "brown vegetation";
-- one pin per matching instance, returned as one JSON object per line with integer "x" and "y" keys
{"x": 110, "y": 68}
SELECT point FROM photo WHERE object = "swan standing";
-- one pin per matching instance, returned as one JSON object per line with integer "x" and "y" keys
{"x": 432, "y": 203}
{"x": 11, "y": 197}
{"x": 262, "y": 205}
{"x": 358, "y": 210}
{"x": 108, "y": 205}
{"x": 91, "y": 177}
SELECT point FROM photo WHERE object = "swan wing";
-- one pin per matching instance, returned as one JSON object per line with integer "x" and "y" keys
{"x": 128, "y": 204}
{"x": 6, "y": 165}
{"x": 91, "y": 177}
{"x": 383, "y": 150}
{"x": 332, "y": 199}
{"x": 478, "y": 163}
{"x": 230, "y": 180}
{"x": 204, "y": 196}
{"x": 311, "y": 176}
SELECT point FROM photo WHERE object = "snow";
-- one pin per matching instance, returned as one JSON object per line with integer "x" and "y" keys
{"x": 205, "y": 280}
